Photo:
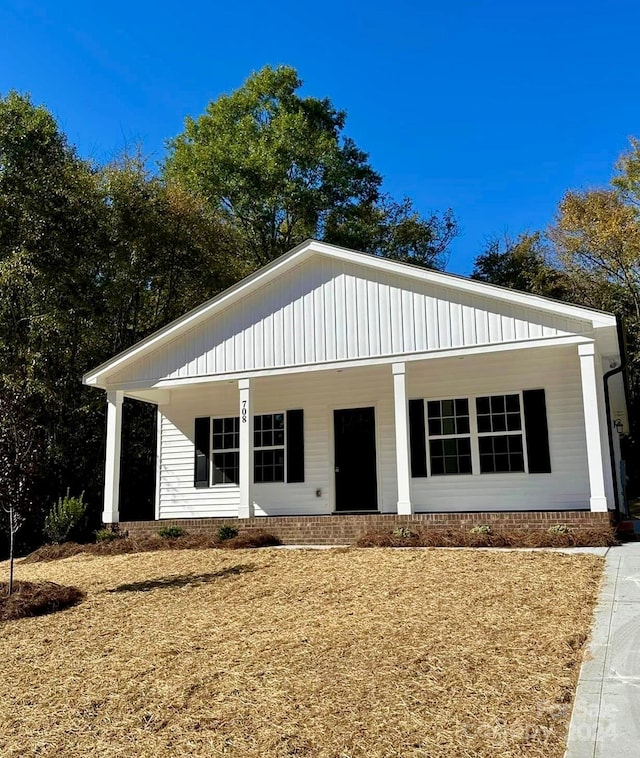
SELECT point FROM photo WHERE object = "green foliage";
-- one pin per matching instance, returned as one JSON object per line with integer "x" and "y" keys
{"x": 108, "y": 535}
{"x": 226, "y": 532}
{"x": 171, "y": 532}
{"x": 480, "y": 529}
{"x": 403, "y": 532}
{"x": 91, "y": 260}
{"x": 522, "y": 264}
{"x": 279, "y": 168}
{"x": 559, "y": 529}
{"x": 65, "y": 518}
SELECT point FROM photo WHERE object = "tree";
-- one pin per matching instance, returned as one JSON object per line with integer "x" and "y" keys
{"x": 393, "y": 230}
{"x": 91, "y": 260}
{"x": 279, "y": 168}
{"x": 522, "y": 264}
{"x": 166, "y": 251}
{"x": 597, "y": 236}
{"x": 19, "y": 438}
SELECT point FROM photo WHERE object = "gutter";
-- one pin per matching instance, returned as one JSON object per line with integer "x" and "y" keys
{"x": 607, "y": 402}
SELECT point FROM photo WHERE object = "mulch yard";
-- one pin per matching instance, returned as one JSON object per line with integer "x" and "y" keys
{"x": 326, "y": 654}
{"x": 35, "y": 599}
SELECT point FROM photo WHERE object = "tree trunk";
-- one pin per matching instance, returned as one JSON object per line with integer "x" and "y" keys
{"x": 11, "y": 541}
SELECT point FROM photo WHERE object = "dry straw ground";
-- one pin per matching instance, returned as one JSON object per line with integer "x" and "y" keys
{"x": 330, "y": 654}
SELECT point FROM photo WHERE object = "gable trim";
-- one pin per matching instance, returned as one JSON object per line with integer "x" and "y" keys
{"x": 313, "y": 247}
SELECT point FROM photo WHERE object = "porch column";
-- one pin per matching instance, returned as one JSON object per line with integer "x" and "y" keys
{"x": 246, "y": 509}
{"x": 110, "y": 513}
{"x": 587, "y": 355}
{"x": 402, "y": 438}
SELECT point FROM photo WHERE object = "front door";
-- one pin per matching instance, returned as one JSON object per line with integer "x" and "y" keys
{"x": 355, "y": 459}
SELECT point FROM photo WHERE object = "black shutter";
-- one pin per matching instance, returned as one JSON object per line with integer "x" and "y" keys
{"x": 535, "y": 422}
{"x": 295, "y": 446}
{"x": 417, "y": 438}
{"x": 202, "y": 440}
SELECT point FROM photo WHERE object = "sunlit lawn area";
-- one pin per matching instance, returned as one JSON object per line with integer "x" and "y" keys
{"x": 336, "y": 653}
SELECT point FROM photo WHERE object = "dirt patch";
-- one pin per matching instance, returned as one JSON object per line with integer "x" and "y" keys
{"x": 124, "y": 545}
{"x": 35, "y": 599}
{"x": 323, "y": 654}
{"x": 603, "y": 536}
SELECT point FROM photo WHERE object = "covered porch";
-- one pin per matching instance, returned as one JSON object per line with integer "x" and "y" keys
{"x": 345, "y": 438}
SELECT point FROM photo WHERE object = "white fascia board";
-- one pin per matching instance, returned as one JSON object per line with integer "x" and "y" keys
{"x": 310, "y": 247}
{"x": 460, "y": 352}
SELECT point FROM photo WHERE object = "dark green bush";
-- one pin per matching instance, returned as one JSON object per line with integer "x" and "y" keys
{"x": 171, "y": 532}
{"x": 108, "y": 535}
{"x": 226, "y": 532}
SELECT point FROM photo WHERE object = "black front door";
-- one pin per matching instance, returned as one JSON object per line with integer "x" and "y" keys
{"x": 355, "y": 459}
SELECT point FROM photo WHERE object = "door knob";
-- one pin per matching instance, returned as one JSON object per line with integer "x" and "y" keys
{"x": 337, "y": 469}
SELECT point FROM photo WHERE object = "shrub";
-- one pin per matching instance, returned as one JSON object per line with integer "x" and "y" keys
{"x": 171, "y": 532}
{"x": 66, "y": 516}
{"x": 226, "y": 532}
{"x": 403, "y": 533}
{"x": 560, "y": 529}
{"x": 480, "y": 529}
{"x": 108, "y": 535}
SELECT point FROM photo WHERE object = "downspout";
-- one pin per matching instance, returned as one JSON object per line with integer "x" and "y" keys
{"x": 607, "y": 402}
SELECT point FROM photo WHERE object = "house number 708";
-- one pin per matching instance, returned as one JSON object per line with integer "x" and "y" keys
{"x": 244, "y": 412}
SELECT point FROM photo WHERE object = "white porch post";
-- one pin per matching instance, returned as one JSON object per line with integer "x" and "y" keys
{"x": 587, "y": 355}
{"x": 402, "y": 438}
{"x": 110, "y": 513}
{"x": 246, "y": 509}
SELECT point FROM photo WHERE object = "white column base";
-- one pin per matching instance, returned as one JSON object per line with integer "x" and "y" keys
{"x": 598, "y": 505}
{"x": 245, "y": 511}
{"x": 404, "y": 508}
{"x": 112, "y": 517}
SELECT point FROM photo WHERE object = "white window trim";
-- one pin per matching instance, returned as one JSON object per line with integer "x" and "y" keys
{"x": 475, "y": 435}
{"x": 212, "y": 451}
{"x": 430, "y": 437}
{"x": 507, "y": 433}
{"x": 282, "y": 447}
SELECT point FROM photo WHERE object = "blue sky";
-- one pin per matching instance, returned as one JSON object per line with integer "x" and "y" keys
{"x": 493, "y": 108}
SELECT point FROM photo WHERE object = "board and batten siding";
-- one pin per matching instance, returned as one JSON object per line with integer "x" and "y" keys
{"x": 554, "y": 369}
{"x": 325, "y": 310}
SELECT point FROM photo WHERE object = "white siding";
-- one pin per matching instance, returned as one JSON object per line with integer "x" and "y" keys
{"x": 554, "y": 369}
{"x": 325, "y": 310}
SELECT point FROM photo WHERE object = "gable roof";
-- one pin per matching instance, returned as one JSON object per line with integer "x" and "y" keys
{"x": 313, "y": 247}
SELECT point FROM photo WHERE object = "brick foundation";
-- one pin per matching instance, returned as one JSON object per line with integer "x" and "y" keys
{"x": 346, "y": 529}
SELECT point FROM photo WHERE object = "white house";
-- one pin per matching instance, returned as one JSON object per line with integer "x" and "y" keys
{"x": 333, "y": 382}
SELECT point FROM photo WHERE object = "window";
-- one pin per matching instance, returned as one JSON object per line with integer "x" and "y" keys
{"x": 500, "y": 434}
{"x": 226, "y": 450}
{"x": 449, "y": 436}
{"x": 268, "y": 442}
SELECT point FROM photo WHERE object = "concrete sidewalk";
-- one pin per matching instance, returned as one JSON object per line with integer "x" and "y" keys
{"x": 606, "y": 714}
